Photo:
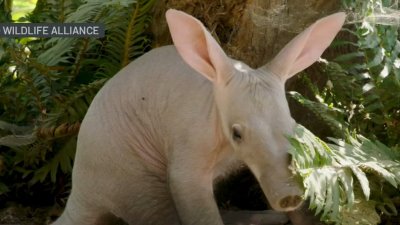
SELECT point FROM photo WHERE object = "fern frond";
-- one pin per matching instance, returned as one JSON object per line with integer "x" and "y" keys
{"x": 62, "y": 48}
{"x": 127, "y": 39}
{"x": 51, "y": 87}
{"x": 52, "y": 11}
{"x": 329, "y": 170}
{"x": 62, "y": 160}
{"x": 92, "y": 8}
{"x": 59, "y": 53}
{"x": 75, "y": 107}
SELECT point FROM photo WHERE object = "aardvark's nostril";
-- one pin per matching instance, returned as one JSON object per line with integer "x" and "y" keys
{"x": 290, "y": 202}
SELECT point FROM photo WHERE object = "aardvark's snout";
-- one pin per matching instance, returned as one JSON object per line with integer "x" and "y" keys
{"x": 282, "y": 194}
{"x": 290, "y": 202}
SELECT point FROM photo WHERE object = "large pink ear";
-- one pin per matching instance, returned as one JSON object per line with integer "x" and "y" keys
{"x": 196, "y": 45}
{"x": 307, "y": 47}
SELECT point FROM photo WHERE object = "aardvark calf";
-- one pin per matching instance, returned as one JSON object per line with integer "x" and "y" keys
{"x": 166, "y": 126}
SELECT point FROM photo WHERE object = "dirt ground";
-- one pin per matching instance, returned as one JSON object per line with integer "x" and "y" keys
{"x": 22, "y": 215}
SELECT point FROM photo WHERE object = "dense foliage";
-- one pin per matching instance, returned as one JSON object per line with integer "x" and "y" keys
{"x": 48, "y": 84}
{"x": 356, "y": 177}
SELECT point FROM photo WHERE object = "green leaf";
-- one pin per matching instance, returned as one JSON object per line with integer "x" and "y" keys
{"x": 346, "y": 180}
{"x": 329, "y": 184}
{"x": 349, "y": 56}
{"x": 389, "y": 177}
{"x": 3, "y": 188}
{"x": 362, "y": 178}
{"x": 62, "y": 160}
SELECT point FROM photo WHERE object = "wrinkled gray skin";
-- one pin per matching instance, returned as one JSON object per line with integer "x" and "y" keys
{"x": 160, "y": 132}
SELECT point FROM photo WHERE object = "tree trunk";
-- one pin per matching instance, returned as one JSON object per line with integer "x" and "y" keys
{"x": 266, "y": 26}
{"x": 252, "y": 31}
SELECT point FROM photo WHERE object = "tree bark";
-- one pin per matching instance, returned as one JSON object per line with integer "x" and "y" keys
{"x": 252, "y": 31}
{"x": 266, "y": 26}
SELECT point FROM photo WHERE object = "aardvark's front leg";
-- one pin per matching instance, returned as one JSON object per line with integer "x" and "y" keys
{"x": 190, "y": 183}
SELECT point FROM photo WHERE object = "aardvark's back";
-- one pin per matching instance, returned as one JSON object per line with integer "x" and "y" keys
{"x": 127, "y": 135}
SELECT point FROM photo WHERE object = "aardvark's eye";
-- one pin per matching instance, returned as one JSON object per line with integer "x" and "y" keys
{"x": 237, "y": 135}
